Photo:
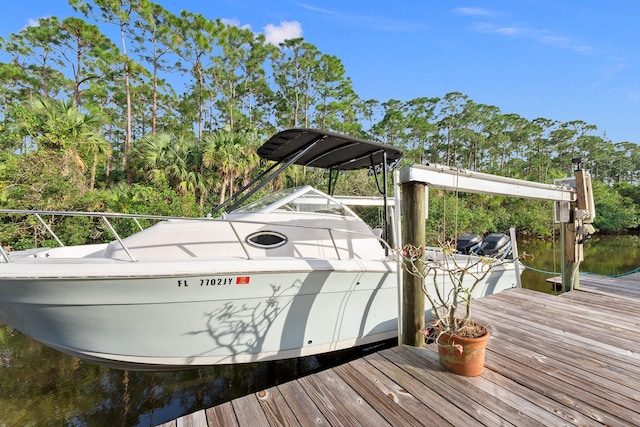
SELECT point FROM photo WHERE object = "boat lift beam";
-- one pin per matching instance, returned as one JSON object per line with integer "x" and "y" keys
{"x": 414, "y": 180}
{"x": 448, "y": 178}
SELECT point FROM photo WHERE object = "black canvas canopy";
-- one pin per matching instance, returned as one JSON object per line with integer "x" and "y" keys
{"x": 321, "y": 149}
{"x": 327, "y": 150}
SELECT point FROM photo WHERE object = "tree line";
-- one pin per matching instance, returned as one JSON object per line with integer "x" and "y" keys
{"x": 126, "y": 96}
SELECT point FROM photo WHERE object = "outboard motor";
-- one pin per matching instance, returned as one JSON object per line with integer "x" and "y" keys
{"x": 495, "y": 245}
{"x": 468, "y": 243}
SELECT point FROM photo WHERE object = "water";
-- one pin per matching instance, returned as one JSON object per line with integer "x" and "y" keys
{"x": 40, "y": 386}
{"x": 606, "y": 255}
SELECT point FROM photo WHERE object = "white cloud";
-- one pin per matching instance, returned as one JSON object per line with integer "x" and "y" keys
{"x": 235, "y": 23}
{"x": 276, "y": 34}
{"x": 34, "y": 22}
{"x": 471, "y": 11}
{"x": 371, "y": 22}
{"x": 316, "y": 9}
{"x": 510, "y": 31}
{"x": 536, "y": 34}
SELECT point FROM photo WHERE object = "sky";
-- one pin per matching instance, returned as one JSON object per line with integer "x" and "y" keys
{"x": 560, "y": 60}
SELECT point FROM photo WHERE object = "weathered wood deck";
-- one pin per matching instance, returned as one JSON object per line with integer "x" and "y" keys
{"x": 572, "y": 359}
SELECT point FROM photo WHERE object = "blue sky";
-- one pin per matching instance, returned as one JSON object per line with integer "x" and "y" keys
{"x": 561, "y": 60}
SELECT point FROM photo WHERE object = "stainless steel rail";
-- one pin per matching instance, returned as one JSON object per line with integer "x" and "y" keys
{"x": 104, "y": 216}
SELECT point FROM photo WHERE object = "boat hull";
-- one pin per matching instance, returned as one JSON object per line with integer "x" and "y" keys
{"x": 284, "y": 308}
{"x": 205, "y": 319}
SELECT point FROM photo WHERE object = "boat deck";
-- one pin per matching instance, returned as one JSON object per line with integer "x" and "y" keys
{"x": 572, "y": 359}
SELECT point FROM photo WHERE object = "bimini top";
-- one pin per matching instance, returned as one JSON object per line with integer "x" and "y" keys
{"x": 327, "y": 150}
{"x": 317, "y": 148}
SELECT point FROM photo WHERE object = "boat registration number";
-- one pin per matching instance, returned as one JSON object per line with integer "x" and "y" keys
{"x": 215, "y": 281}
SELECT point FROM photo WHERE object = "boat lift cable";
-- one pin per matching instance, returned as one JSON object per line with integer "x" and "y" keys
{"x": 373, "y": 171}
{"x": 552, "y": 273}
{"x": 383, "y": 191}
{"x": 635, "y": 270}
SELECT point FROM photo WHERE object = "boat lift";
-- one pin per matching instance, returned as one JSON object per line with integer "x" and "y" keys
{"x": 573, "y": 208}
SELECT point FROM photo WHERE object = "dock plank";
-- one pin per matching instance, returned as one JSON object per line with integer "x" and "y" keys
{"x": 467, "y": 401}
{"x": 571, "y": 359}
{"x": 364, "y": 379}
{"x": 546, "y": 410}
{"x": 221, "y": 415}
{"x": 249, "y": 411}
{"x": 560, "y": 393}
{"x": 571, "y": 334}
{"x": 551, "y": 316}
{"x": 583, "y": 356}
{"x": 339, "y": 405}
{"x": 442, "y": 412}
{"x": 276, "y": 409}
{"x": 400, "y": 394}
{"x": 500, "y": 412}
{"x": 302, "y": 405}
{"x": 569, "y": 386}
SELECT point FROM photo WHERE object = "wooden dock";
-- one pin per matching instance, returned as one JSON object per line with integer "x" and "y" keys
{"x": 572, "y": 359}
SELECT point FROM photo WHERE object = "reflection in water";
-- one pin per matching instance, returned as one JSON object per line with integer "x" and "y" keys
{"x": 606, "y": 255}
{"x": 40, "y": 386}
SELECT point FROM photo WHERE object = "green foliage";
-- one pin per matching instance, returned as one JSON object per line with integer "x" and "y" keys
{"x": 530, "y": 217}
{"x": 147, "y": 200}
{"x": 451, "y": 216}
{"x": 150, "y": 200}
{"x": 47, "y": 180}
{"x": 44, "y": 179}
{"x": 615, "y": 213}
{"x": 19, "y": 232}
{"x": 630, "y": 191}
{"x": 87, "y": 111}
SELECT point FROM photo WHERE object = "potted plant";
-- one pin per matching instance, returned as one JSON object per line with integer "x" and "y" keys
{"x": 448, "y": 283}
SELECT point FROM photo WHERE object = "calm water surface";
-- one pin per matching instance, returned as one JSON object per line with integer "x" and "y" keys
{"x": 606, "y": 255}
{"x": 43, "y": 387}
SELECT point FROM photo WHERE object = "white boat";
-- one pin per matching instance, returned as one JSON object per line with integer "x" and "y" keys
{"x": 295, "y": 273}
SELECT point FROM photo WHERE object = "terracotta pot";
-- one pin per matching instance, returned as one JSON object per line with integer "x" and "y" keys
{"x": 468, "y": 362}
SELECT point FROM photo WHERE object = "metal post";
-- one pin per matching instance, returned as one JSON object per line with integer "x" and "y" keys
{"x": 398, "y": 245}
{"x": 514, "y": 251}
{"x": 385, "y": 213}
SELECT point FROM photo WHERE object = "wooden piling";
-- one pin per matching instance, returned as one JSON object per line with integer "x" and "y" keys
{"x": 572, "y": 231}
{"x": 569, "y": 263}
{"x": 413, "y": 233}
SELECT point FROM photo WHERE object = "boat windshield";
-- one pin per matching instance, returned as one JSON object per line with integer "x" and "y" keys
{"x": 266, "y": 201}
{"x": 301, "y": 199}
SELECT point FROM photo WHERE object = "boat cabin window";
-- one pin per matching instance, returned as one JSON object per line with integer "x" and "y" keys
{"x": 301, "y": 199}
{"x": 267, "y": 239}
